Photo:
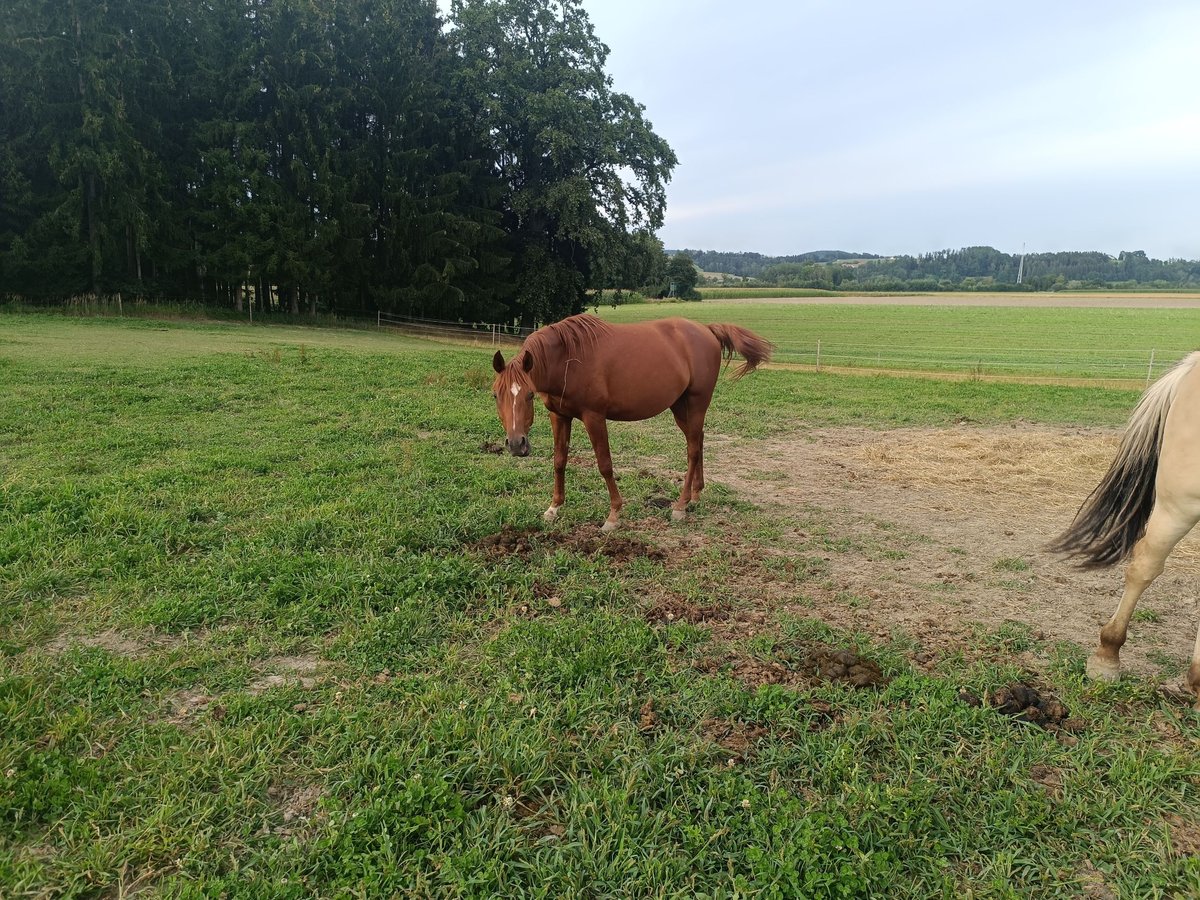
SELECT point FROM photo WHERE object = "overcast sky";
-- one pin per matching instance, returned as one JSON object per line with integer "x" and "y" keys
{"x": 904, "y": 127}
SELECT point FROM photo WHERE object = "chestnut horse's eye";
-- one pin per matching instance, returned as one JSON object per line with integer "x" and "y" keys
{"x": 530, "y": 397}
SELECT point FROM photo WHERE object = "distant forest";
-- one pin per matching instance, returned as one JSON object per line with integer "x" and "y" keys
{"x": 316, "y": 157}
{"x": 971, "y": 268}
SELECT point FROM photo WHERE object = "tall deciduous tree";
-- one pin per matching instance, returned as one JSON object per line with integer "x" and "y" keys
{"x": 580, "y": 165}
{"x": 334, "y": 154}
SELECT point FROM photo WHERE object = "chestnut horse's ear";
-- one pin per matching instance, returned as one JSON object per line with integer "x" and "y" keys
{"x": 498, "y": 361}
{"x": 527, "y": 362}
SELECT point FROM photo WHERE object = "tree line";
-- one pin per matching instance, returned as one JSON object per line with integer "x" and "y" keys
{"x": 970, "y": 268}
{"x": 322, "y": 155}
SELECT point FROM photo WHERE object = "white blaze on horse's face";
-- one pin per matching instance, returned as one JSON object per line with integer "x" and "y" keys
{"x": 514, "y": 397}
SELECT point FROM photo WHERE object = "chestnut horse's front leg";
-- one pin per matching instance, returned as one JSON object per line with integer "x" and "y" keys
{"x": 597, "y": 429}
{"x": 560, "y": 426}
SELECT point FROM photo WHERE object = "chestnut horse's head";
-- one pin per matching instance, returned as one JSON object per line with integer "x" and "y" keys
{"x": 514, "y": 394}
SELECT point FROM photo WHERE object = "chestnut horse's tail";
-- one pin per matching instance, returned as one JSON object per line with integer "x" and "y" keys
{"x": 735, "y": 339}
{"x": 1113, "y": 517}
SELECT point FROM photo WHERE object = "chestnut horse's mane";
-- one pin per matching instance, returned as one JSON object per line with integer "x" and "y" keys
{"x": 569, "y": 338}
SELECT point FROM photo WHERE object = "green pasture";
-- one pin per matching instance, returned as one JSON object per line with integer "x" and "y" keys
{"x": 1065, "y": 342}
{"x": 253, "y": 643}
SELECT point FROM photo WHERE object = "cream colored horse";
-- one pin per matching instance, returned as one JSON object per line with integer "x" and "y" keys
{"x": 1146, "y": 503}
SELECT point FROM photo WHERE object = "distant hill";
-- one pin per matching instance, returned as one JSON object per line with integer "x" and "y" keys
{"x": 752, "y": 265}
{"x": 968, "y": 268}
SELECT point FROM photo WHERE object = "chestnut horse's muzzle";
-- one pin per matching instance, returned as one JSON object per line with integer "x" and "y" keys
{"x": 518, "y": 446}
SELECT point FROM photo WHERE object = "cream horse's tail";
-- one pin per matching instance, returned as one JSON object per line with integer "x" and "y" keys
{"x": 1113, "y": 517}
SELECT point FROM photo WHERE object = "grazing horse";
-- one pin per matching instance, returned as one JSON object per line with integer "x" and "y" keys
{"x": 1145, "y": 504}
{"x": 584, "y": 368}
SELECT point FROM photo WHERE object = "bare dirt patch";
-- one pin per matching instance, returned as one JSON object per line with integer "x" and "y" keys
{"x": 186, "y": 704}
{"x": 676, "y": 609}
{"x": 586, "y": 540}
{"x": 937, "y": 531}
{"x": 115, "y": 642}
{"x": 738, "y": 739}
{"x": 1185, "y": 836}
{"x": 296, "y": 804}
{"x": 281, "y": 671}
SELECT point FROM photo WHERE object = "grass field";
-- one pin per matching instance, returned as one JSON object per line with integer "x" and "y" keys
{"x": 274, "y": 624}
{"x": 980, "y": 340}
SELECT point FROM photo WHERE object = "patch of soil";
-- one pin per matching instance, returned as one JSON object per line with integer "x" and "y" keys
{"x": 1185, "y": 836}
{"x": 509, "y": 540}
{"x": 115, "y": 642}
{"x": 1093, "y": 883}
{"x": 647, "y": 717}
{"x": 286, "y": 670}
{"x": 586, "y": 540}
{"x": 807, "y": 668}
{"x": 1049, "y": 778}
{"x": 934, "y": 529}
{"x": 185, "y": 705}
{"x": 296, "y": 804}
{"x": 491, "y": 447}
{"x": 676, "y": 609}
{"x": 738, "y": 739}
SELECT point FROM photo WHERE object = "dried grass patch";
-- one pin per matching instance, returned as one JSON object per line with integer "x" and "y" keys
{"x": 1039, "y": 477}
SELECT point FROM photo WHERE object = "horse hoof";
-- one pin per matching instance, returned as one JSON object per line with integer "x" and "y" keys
{"x": 678, "y": 515}
{"x": 1101, "y": 669}
{"x": 608, "y": 526}
{"x": 550, "y": 514}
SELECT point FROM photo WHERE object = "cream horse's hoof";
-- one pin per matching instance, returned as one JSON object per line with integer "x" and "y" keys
{"x": 608, "y": 526}
{"x": 1101, "y": 669}
{"x": 550, "y": 514}
{"x": 678, "y": 515}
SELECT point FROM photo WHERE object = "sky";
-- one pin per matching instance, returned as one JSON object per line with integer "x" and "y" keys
{"x": 906, "y": 127}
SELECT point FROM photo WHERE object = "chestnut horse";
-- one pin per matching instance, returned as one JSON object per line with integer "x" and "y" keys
{"x": 584, "y": 368}
{"x": 1145, "y": 504}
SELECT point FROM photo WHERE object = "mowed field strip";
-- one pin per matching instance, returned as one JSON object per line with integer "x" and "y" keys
{"x": 1118, "y": 340}
{"x": 277, "y": 621}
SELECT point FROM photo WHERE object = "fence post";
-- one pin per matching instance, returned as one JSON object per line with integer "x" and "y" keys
{"x": 1150, "y": 371}
{"x": 818, "y": 356}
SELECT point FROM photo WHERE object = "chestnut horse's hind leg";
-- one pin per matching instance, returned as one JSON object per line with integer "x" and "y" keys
{"x": 689, "y": 411}
{"x": 561, "y": 428}
{"x": 1166, "y": 527}
{"x": 597, "y": 429}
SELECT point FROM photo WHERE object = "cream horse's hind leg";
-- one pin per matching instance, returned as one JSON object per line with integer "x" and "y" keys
{"x": 1166, "y": 527}
{"x": 1193, "y": 675}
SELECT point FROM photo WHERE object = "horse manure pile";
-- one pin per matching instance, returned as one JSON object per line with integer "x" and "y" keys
{"x": 828, "y": 664}
{"x": 808, "y": 668}
{"x": 508, "y": 540}
{"x": 1025, "y": 703}
{"x": 586, "y": 541}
